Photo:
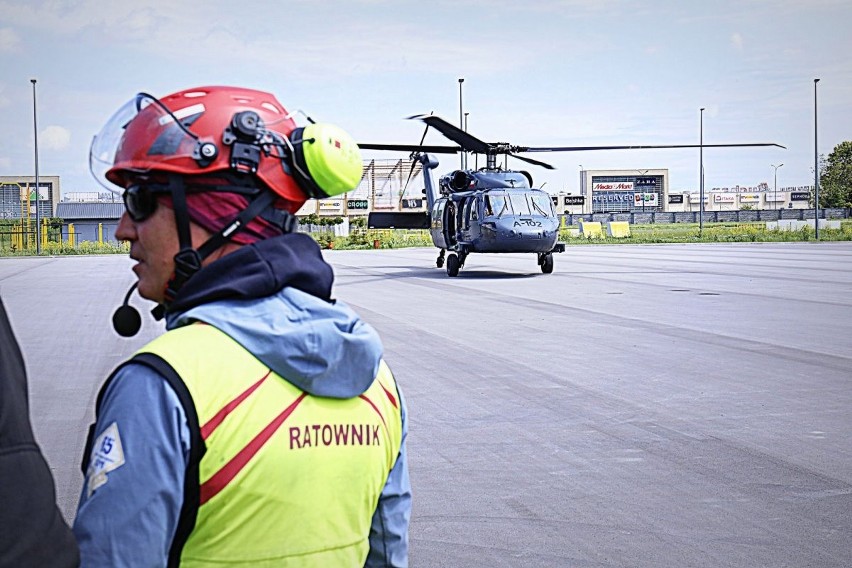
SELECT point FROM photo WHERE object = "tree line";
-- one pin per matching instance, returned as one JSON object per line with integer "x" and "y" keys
{"x": 835, "y": 177}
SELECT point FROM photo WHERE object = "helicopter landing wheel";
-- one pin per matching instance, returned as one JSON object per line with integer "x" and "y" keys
{"x": 453, "y": 265}
{"x": 440, "y": 262}
{"x": 547, "y": 263}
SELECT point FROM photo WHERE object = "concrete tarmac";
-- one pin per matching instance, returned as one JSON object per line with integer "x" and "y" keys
{"x": 642, "y": 406}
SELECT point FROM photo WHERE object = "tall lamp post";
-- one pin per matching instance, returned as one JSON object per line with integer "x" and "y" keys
{"x": 776, "y": 187}
{"x": 461, "y": 119}
{"x": 35, "y": 136}
{"x": 816, "y": 167}
{"x": 701, "y": 173}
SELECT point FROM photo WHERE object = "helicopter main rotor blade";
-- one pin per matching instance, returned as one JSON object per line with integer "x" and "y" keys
{"x": 534, "y": 162}
{"x": 411, "y": 148}
{"x": 642, "y": 147}
{"x": 457, "y": 135}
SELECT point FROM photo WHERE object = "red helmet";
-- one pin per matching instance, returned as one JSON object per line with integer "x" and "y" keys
{"x": 214, "y": 130}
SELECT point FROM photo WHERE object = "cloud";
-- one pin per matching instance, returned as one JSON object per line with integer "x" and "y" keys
{"x": 55, "y": 137}
{"x": 737, "y": 41}
{"x": 9, "y": 40}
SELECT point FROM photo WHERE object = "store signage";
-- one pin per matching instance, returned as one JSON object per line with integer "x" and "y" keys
{"x": 717, "y": 198}
{"x": 696, "y": 198}
{"x": 652, "y": 181}
{"x": 676, "y": 198}
{"x": 645, "y": 199}
{"x": 749, "y": 198}
{"x": 612, "y": 197}
{"x": 335, "y": 205}
{"x": 357, "y": 204}
{"x": 613, "y": 186}
{"x": 574, "y": 200}
{"x": 773, "y": 197}
{"x": 800, "y": 196}
{"x": 412, "y": 203}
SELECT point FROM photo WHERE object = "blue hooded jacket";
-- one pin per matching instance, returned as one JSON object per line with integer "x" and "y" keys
{"x": 274, "y": 298}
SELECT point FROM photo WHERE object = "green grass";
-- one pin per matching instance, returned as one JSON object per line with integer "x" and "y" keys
{"x": 62, "y": 249}
{"x": 639, "y": 234}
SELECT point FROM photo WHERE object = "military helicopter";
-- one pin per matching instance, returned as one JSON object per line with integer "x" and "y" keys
{"x": 490, "y": 209}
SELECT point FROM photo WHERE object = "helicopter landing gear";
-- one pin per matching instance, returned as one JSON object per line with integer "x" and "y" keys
{"x": 453, "y": 265}
{"x": 440, "y": 262}
{"x": 545, "y": 260}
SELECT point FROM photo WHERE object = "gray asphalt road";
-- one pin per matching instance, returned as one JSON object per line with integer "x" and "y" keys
{"x": 674, "y": 405}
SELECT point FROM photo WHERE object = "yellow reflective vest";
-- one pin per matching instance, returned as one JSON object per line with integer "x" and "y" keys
{"x": 287, "y": 478}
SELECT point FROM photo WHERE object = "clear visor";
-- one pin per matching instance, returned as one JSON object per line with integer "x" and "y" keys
{"x": 107, "y": 143}
{"x": 144, "y": 134}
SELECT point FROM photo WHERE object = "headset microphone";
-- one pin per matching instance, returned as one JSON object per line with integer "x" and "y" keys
{"x": 126, "y": 320}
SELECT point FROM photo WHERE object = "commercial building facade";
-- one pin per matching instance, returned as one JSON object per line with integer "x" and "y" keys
{"x": 647, "y": 191}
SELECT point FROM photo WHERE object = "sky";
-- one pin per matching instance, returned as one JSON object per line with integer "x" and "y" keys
{"x": 536, "y": 73}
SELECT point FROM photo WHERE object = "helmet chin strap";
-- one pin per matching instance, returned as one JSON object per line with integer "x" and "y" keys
{"x": 188, "y": 260}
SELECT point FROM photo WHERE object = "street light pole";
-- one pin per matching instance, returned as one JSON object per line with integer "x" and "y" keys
{"x": 776, "y": 187}
{"x": 701, "y": 174}
{"x": 461, "y": 120}
{"x": 35, "y": 136}
{"x": 816, "y": 167}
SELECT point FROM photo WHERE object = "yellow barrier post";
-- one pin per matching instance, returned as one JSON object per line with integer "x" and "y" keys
{"x": 618, "y": 229}
{"x": 591, "y": 229}
{"x": 71, "y": 235}
{"x": 43, "y": 234}
{"x": 100, "y": 233}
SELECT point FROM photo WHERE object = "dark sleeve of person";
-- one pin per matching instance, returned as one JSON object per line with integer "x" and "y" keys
{"x": 32, "y": 530}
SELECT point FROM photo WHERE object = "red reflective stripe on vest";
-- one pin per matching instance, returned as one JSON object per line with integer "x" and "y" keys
{"x": 391, "y": 397}
{"x": 379, "y": 412}
{"x": 221, "y": 478}
{"x": 220, "y": 416}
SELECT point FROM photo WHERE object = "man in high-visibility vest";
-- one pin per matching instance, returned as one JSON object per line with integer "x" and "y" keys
{"x": 264, "y": 427}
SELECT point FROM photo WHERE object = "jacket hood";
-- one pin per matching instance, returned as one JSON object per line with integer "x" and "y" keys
{"x": 273, "y": 298}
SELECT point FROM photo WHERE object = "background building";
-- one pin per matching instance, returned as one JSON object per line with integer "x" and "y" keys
{"x": 18, "y": 198}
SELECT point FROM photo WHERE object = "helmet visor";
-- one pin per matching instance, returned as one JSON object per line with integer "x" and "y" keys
{"x": 141, "y": 134}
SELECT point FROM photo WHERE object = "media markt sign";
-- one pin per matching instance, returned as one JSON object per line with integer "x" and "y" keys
{"x": 613, "y": 186}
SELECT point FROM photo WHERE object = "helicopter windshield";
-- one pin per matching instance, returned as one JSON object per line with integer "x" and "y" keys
{"x": 519, "y": 203}
{"x": 541, "y": 204}
{"x": 496, "y": 204}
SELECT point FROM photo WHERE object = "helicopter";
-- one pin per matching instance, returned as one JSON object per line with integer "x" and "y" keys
{"x": 487, "y": 210}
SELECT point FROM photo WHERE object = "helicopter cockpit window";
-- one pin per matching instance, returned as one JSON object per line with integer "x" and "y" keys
{"x": 496, "y": 204}
{"x": 468, "y": 211}
{"x": 520, "y": 205}
{"x": 541, "y": 204}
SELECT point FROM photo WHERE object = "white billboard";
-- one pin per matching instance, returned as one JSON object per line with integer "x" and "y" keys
{"x": 645, "y": 199}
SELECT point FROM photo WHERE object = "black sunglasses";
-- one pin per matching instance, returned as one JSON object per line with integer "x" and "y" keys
{"x": 140, "y": 202}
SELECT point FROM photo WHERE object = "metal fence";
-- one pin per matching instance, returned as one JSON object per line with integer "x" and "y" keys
{"x": 741, "y": 216}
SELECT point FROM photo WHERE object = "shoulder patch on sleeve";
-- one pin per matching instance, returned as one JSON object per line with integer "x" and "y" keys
{"x": 107, "y": 455}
